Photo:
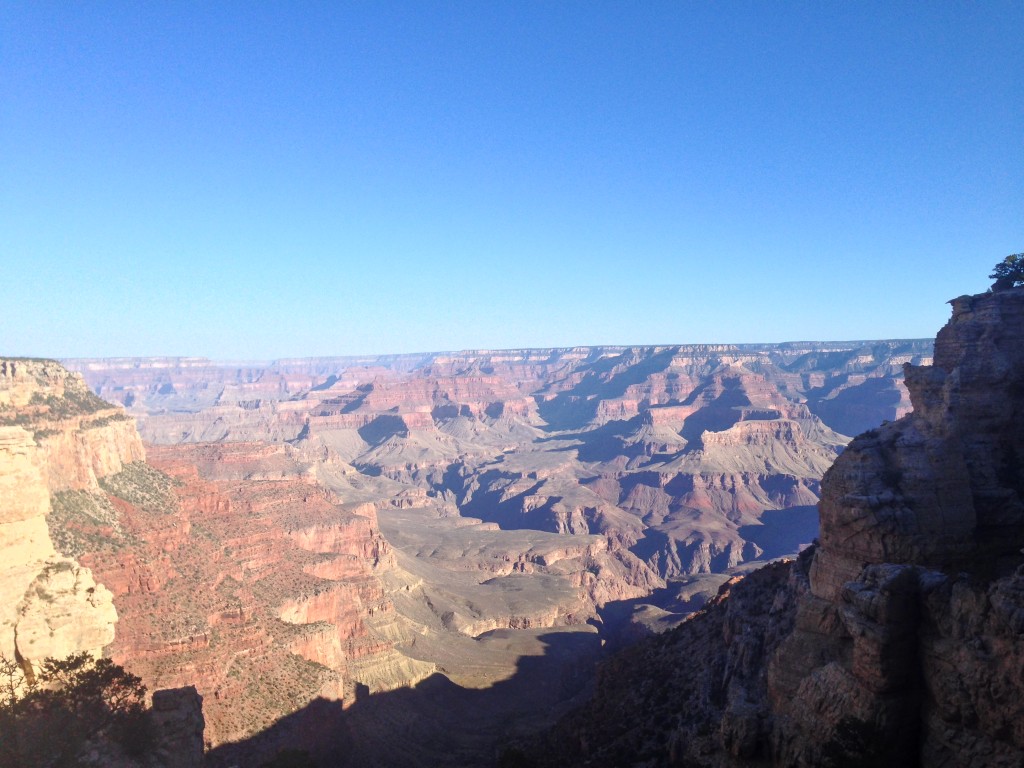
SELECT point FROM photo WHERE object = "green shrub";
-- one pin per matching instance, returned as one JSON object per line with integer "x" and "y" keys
{"x": 1009, "y": 272}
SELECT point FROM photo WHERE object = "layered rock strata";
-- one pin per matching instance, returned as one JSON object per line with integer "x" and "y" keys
{"x": 919, "y": 570}
{"x": 240, "y": 575}
{"x": 680, "y": 454}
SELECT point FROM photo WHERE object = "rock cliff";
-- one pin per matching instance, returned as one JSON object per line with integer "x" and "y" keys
{"x": 55, "y": 436}
{"x": 257, "y": 571}
{"x": 919, "y": 570}
{"x": 899, "y": 639}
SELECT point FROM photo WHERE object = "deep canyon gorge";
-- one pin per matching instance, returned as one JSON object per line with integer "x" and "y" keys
{"x": 418, "y": 559}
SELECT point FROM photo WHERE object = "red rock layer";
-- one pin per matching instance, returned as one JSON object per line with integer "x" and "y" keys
{"x": 256, "y": 591}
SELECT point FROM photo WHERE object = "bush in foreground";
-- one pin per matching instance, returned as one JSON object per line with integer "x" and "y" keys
{"x": 51, "y": 718}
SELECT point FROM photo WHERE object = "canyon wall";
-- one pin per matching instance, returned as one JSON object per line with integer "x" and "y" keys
{"x": 228, "y": 568}
{"x": 305, "y": 530}
{"x": 336, "y": 525}
{"x": 919, "y": 572}
{"x": 55, "y": 436}
{"x": 235, "y": 572}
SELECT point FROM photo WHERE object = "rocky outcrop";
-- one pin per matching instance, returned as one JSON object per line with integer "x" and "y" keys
{"x": 899, "y": 639}
{"x": 177, "y": 716}
{"x": 692, "y": 696}
{"x": 82, "y": 437}
{"x": 25, "y": 544}
{"x": 63, "y": 611}
{"x": 942, "y": 487}
{"x": 172, "y": 738}
{"x": 77, "y": 454}
{"x": 55, "y": 436}
{"x": 919, "y": 572}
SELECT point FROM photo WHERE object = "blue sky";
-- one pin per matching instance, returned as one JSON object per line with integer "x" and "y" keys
{"x": 258, "y": 180}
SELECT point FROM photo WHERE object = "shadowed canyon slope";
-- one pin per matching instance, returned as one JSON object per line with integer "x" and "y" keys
{"x": 899, "y": 639}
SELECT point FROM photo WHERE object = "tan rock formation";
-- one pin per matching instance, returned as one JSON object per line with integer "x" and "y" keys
{"x": 64, "y": 611}
{"x": 55, "y": 435}
{"x": 25, "y": 544}
{"x": 80, "y": 452}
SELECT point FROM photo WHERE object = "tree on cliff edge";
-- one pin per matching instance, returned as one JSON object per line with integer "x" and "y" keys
{"x": 1009, "y": 272}
{"x": 48, "y": 721}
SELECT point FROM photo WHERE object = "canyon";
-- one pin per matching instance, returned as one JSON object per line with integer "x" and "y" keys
{"x": 56, "y": 437}
{"x": 667, "y": 452}
{"x": 463, "y": 527}
{"x": 898, "y": 639}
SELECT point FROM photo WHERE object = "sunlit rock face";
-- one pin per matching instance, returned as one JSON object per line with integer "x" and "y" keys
{"x": 64, "y": 611}
{"x": 899, "y": 639}
{"x": 55, "y": 436}
{"x": 25, "y": 544}
{"x": 248, "y": 580}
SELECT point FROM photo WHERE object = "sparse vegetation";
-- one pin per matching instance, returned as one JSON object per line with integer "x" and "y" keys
{"x": 286, "y": 685}
{"x": 145, "y": 487}
{"x": 104, "y": 421}
{"x": 12, "y": 417}
{"x": 60, "y": 566}
{"x": 83, "y": 521}
{"x": 76, "y": 401}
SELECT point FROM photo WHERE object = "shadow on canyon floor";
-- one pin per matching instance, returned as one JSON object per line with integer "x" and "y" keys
{"x": 435, "y": 723}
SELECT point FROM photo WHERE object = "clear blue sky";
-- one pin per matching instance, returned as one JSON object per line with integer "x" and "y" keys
{"x": 255, "y": 180}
